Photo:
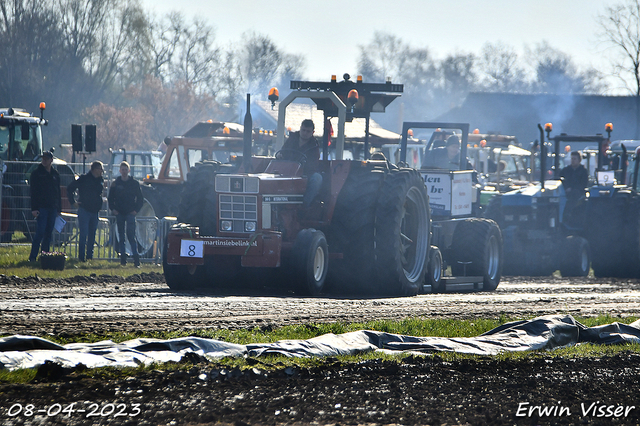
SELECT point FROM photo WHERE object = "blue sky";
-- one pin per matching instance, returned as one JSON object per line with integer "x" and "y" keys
{"x": 328, "y": 32}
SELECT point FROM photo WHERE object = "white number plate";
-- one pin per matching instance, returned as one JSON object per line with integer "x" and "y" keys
{"x": 191, "y": 248}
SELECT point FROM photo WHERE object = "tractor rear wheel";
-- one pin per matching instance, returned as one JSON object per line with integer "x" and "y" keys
{"x": 402, "y": 234}
{"x": 576, "y": 257}
{"x": 477, "y": 247}
{"x": 614, "y": 231}
{"x": 630, "y": 267}
{"x": 200, "y": 182}
{"x": 352, "y": 230}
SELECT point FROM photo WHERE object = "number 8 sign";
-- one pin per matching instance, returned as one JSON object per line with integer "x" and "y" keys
{"x": 191, "y": 248}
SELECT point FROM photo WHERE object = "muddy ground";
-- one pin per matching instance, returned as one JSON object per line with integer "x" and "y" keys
{"x": 420, "y": 390}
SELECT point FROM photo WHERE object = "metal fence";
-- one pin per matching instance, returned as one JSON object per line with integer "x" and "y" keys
{"x": 150, "y": 233}
{"x": 16, "y": 215}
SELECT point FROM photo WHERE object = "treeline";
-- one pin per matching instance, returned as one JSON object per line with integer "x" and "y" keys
{"x": 140, "y": 77}
{"x": 433, "y": 86}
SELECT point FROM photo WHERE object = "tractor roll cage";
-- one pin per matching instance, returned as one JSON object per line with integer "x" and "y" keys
{"x": 464, "y": 137}
{"x": 342, "y": 115}
{"x": 563, "y": 137}
{"x": 330, "y": 98}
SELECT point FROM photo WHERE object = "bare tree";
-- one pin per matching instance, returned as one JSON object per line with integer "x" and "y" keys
{"x": 556, "y": 73}
{"x": 197, "y": 62}
{"x": 254, "y": 67}
{"x": 35, "y": 64}
{"x": 620, "y": 29}
{"x": 165, "y": 35}
{"x": 388, "y": 56}
{"x": 102, "y": 35}
{"x": 500, "y": 70}
{"x": 458, "y": 77}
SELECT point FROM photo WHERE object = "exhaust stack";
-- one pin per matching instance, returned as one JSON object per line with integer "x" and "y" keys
{"x": 247, "y": 134}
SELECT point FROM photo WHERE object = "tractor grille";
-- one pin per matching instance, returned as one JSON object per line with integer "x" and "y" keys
{"x": 238, "y": 209}
{"x": 240, "y": 184}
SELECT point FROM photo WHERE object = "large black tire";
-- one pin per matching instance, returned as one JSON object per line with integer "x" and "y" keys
{"x": 200, "y": 182}
{"x": 164, "y": 198}
{"x": 494, "y": 209}
{"x": 477, "y": 248}
{"x": 613, "y": 229}
{"x": 310, "y": 262}
{"x": 575, "y": 257}
{"x": 631, "y": 243}
{"x": 181, "y": 277}
{"x": 209, "y": 225}
{"x": 435, "y": 270}
{"x": 402, "y": 234}
{"x": 352, "y": 230}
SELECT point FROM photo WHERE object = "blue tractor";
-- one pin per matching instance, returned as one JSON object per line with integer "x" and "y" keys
{"x": 544, "y": 230}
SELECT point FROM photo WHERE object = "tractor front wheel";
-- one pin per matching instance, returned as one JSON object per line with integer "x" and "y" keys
{"x": 311, "y": 261}
{"x": 435, "y": 270}
{"x": 182, "y": 277}
{"x": 576, "y": 257}
{"x": 477, "y": 244}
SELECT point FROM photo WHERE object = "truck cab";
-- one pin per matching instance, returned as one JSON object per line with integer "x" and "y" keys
{"x": 20, "y": 135}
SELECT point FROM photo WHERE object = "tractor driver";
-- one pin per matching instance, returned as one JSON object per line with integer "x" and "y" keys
{"x": 304, "y": 142}
{"x": 448, "y": 157}
{"x": 575, "y": 177}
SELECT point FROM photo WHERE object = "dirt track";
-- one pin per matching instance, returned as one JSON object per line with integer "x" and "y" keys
{"x": 76, "y": 306}
{"x": 417, "y": 391}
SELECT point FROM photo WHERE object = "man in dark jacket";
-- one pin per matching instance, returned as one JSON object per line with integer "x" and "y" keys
{"x": 45, "y": 203}
{"x": 575, "y": 177}
{"x": 125, "y": 201}
{"x": 89, "y": 203}
{"x": 306, "y": 144}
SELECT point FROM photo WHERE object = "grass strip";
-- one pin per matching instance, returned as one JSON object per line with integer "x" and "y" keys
{"x": 14, "y": 262}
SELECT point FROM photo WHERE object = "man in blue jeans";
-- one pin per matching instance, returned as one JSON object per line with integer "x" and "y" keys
{"x": 45, "y": 203}
{"x": 88, "y": 203}
{"x": 125, "y": 201}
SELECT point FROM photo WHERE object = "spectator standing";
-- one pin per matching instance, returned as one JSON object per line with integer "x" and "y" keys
{"x": 89, "y": 202}
{"x": 125, "y": 201}
{"x": 45, "y": 203}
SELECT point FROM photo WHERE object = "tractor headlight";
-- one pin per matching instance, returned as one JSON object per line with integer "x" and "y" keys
{"x": 249, "y": 226}
{"x": 226, "y": 225}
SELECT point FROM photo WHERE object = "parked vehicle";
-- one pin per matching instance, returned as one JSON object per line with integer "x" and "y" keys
{"x": 544, "y": 231}
{"x": 21, "y": 147}
{"x": 213, "y": 141}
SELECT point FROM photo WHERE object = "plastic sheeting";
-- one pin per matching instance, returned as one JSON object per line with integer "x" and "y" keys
{"x": 546, "y": 332}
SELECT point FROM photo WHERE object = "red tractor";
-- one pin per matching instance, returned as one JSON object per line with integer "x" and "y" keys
{"x": 367, "y": 231}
